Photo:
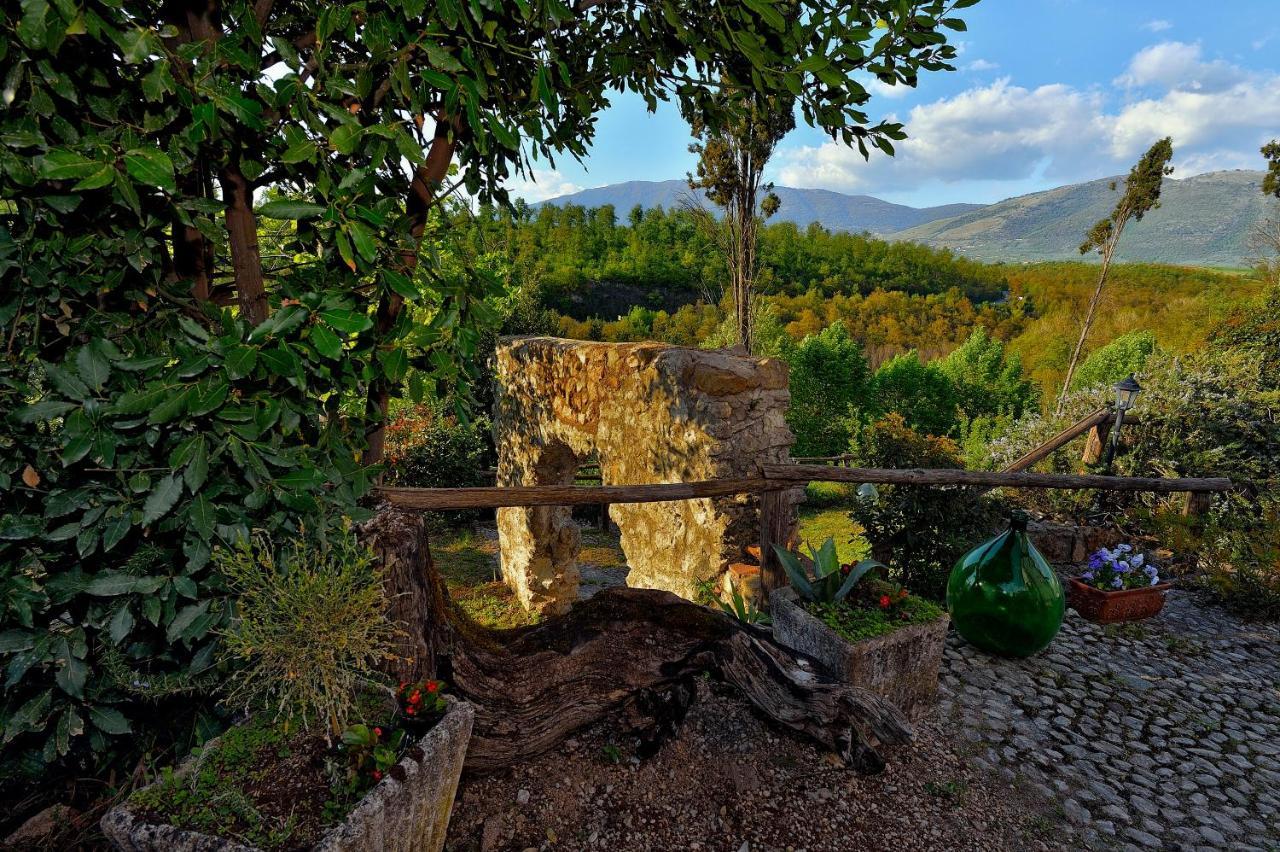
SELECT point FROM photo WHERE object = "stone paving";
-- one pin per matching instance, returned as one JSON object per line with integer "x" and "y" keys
{"x": 1161, "y": 734}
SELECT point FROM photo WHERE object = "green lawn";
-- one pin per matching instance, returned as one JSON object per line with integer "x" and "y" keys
{"x": 816, "y": 525}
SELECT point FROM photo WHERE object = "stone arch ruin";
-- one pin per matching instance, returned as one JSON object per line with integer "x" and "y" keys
{"x": 651, "y": 413}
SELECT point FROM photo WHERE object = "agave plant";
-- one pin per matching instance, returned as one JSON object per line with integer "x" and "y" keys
{"x": 829, "y": 583}
{"x": 744, "y": 610}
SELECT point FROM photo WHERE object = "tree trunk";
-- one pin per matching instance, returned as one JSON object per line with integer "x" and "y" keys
{"x": 1108, "y": 251}
{"x": 624, "y": 650}
{"x": 423, "y": 190}
{"x": 242, "y": 237}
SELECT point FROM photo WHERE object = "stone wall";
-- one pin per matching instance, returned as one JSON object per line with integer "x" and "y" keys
{"x": 652, "y": 413}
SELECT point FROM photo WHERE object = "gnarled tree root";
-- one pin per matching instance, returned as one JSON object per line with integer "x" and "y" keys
{"x": 636, "y": 650}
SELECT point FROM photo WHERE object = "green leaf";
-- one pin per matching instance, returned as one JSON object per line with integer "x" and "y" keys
{"x": 111, "y": 583}
{"x": 94, "y": 369}
{"x": 170, "y": 408}
{"x": 326, "y": 342}
{"x": 362, "y": 239}
{"x": 201, "y": 515}
{"x": 30, "y": 716}
{"x": 120, "y": 625}
{"x": 345, "y": 138}
{"x": 856, "y": 573}
{"x": 286, "y": 209}
{"x": 115, "y": 532}
{"x": 152, "y": 167}
{"x": 161, "y": 499}
{"x": 184, "y": 619}
{"x": 765, "y": 10}
{"x": 72, "y": 676}
{"x": 12, "y": 641}
{"x": 280, "y": 360}
{"x": 45, "y": 410}
{"x": 240, "y": 361}
{"x": 347, "y": 321}
{"x": 303, "y": 477}
{"x": 197, "y": 469}
{"x": 108, "y": 720}
{"x": 795, "y": 572}
{"x": 61, "y": 164}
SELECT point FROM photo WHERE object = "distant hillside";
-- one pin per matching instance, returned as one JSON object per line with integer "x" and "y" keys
{"x": 1203, "y": 220}
{"x": 833, "y": 210}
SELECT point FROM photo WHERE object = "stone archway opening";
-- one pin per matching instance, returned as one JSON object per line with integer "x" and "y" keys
{"x": 650, "y": 413}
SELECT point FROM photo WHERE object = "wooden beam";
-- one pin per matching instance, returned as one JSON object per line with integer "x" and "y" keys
{"x": 997, "y": 479}
{"x": 774, "y": 526}
{"x": 1096, "y": 444}
{"x": 1066, "y": 436}
{"x": 568, "y": 495}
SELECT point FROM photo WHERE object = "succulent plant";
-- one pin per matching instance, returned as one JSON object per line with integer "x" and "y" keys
{"x": 831, "y": 582}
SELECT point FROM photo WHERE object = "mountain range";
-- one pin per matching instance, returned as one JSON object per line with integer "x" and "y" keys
{"x": 1203, "y": 220}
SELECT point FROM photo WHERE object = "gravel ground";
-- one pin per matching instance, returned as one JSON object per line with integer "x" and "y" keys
{"x": 731, "y": 781}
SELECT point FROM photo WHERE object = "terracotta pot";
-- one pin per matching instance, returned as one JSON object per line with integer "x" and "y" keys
{"x": 1103, "y": 607}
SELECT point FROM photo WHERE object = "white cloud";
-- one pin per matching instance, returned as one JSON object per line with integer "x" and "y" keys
{"x": 981, "y": 65}
{"x": 1178, "y": 65}
{"x": 1157, "y": 25}
{"x": 1217, "y": 113}
{"x": 999, "y": 131}
{"x": 541, "y": 185}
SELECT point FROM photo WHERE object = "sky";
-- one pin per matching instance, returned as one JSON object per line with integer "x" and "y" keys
{"x": 1047, "y": 92}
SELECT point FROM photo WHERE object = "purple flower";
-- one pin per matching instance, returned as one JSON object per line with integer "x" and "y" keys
{"x": 1118, "y": 583}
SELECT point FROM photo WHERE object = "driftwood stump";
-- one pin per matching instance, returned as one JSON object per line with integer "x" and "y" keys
{"x": 626, "y": 650}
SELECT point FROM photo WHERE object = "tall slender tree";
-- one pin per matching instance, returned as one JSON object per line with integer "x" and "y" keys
{"x": 1141, "y": 195}
{"x": 730, "y": 171}
{"x": 1271, "y": 182}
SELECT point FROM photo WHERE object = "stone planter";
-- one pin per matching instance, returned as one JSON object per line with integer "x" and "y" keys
{"x": 408, "y": 811}
{"x": 1103, "y": 607}
{"x": 901, "y": 666}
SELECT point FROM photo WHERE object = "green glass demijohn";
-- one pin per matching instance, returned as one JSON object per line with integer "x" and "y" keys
{"x": 1003, "y": 596}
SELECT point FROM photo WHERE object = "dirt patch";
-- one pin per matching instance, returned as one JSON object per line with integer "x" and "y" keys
{"x": 731, "y": 781}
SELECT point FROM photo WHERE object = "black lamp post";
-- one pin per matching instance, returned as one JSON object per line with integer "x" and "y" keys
{"x": 1126, "y": 392}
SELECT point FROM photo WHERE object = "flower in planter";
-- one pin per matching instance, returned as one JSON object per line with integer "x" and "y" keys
{"x": 1119, "y": 568}
{"x": 831, "y": 582}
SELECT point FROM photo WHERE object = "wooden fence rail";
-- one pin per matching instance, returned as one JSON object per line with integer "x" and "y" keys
{"x": 776, "y": 477}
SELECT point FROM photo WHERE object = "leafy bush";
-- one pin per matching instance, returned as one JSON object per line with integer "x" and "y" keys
{"x": 922, "y": 394}
{"x": 829, "y": 375}
{"x": 919, "y": 531}
{"x": 1240, "y": 562}
{"x": 1107, "y": 365}
{"x": 427, "y": 448}
{"x": 987, "y": 382}
{"x": 127, "y": 452}
{"x": 310, "y": 626}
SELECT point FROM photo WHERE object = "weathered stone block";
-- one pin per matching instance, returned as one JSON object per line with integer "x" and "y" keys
{"x": 902, "y": 666}
{"x": 651, "y": 413}
{"x": 408, "y": 811}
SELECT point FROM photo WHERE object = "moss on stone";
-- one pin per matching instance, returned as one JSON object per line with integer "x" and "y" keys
{"x": 856, "y": 623}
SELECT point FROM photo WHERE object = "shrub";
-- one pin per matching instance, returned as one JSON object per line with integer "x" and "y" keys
{"x": 918, "y": 531}
{"x": 1107, "y": 365}
{"x": 921, "y": 393}
{"x": 427, "y": 448}
{"x": 1239, "y": 558}
{"x": 828, "y": 376}
{"x": 310, "y": 627}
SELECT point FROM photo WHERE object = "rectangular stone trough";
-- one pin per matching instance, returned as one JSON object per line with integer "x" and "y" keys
{"x": 901, "y": 666}
{"x": 407, "y": 811}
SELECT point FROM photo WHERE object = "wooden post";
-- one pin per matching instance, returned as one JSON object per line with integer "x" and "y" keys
{"x": 1197, "y": 503}
{"x": 1096, "y": 443}
{"x": 774, "y": 527}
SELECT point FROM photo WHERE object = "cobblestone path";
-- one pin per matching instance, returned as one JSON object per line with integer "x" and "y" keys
{"x": 1162, "y": 734}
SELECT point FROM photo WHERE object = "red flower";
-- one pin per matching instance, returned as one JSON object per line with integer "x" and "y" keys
{"x": 416, "y": 697}
{"x": 902, "y": 593}
{"x": 377, "y": 732}
{"x": 884, "y": 601}
{"x": 432, "y": 686}
{"x": 411, "y": 710}
{"x": 377, "y": 775}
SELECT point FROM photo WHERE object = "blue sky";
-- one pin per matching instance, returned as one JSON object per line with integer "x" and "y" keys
{"x": 1047, "y": 92}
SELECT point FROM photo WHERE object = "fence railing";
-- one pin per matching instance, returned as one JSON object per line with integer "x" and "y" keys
{"x": 774, "y": 479}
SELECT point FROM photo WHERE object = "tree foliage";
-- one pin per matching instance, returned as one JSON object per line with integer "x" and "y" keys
{"x": 1106, "y": 365}
{"x": 1271, "y": 181}
{"x": 829, "y": 379}
{"x": 177, "y": 372}
{"x": 1141, "y": 195}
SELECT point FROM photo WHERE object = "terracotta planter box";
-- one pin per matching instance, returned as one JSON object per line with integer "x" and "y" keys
{"x": 901, "y": 666}
{"x": 408, "y": 810}
{"x": 1103, "y": 607}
